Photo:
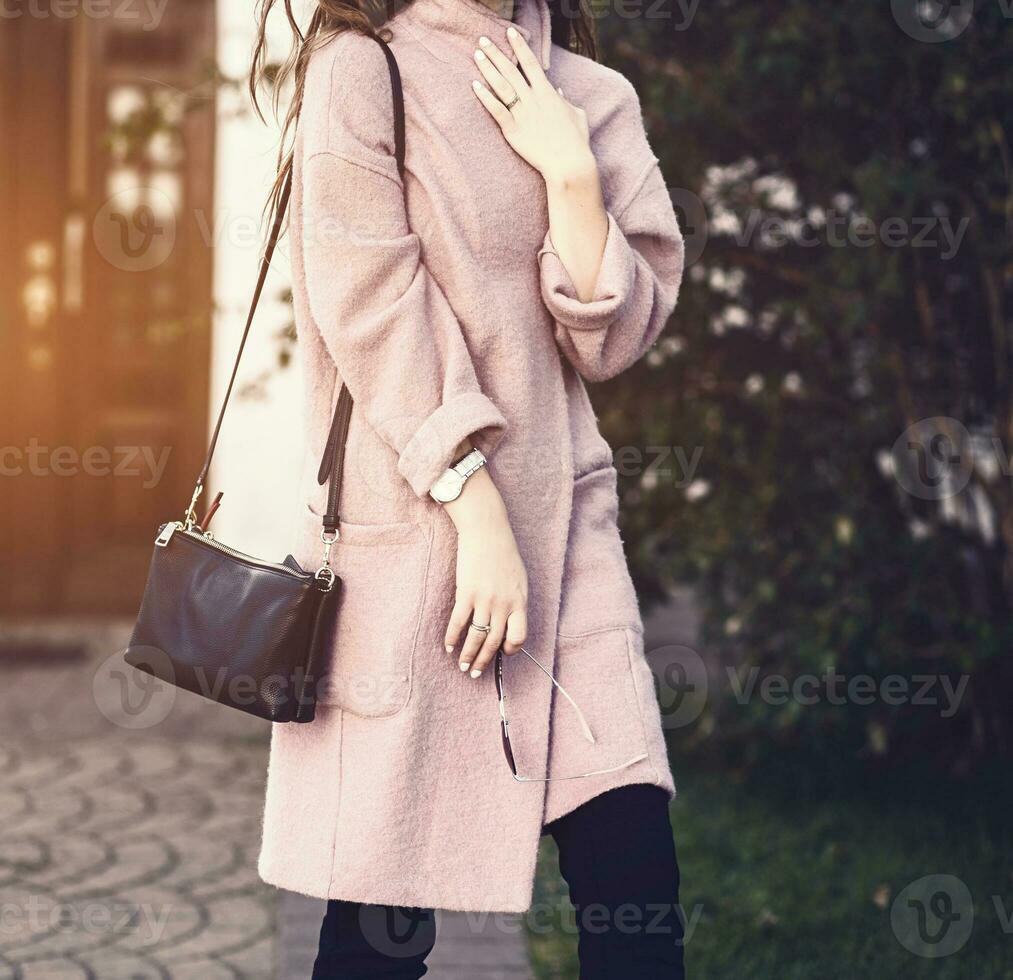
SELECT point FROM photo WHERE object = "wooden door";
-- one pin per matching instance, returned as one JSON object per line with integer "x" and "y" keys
{"x": 106, "y": 296}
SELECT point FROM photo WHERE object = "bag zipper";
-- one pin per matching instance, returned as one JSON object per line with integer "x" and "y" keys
{"x": 176, "y": 527}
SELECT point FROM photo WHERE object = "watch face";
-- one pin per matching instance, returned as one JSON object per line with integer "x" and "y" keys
{"x": 448, "y": 487}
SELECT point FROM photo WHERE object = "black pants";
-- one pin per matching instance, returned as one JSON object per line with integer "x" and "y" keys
{"x": 618, "y": 858}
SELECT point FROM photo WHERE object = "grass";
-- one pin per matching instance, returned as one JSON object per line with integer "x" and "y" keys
{"x": 791, "y": 873}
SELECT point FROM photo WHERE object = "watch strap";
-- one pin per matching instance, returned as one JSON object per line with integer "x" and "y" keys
{"x": 469, "y": 464}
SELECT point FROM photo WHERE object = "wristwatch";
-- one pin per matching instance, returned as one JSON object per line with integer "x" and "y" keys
{"x": 449, "y": 486}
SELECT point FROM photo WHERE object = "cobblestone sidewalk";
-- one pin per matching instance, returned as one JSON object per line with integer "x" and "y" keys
{"x": 129, "y": 830}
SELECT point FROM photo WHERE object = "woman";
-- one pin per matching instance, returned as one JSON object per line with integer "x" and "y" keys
{"x": 529, "y": 244}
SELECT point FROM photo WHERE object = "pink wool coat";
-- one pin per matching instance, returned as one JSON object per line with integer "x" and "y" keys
{"x": 442, "y": 305}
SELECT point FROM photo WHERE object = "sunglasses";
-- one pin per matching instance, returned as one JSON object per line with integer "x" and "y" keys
{"x": 505, "y": 726}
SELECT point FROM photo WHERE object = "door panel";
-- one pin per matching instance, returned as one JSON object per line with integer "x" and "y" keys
{"x": 109, "y": 305}
{"x": 34, "y": 361}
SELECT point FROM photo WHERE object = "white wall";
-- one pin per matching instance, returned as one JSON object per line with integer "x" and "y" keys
{"x": 260, "y": 448}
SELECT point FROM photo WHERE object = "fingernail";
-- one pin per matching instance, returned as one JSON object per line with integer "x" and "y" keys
{"x": 479, "y": 56}
{"x": 484, "y": 41}
{"x": 476, "y": 673}
{"x": 476, "y": 86}
{"x": 464, "y": 666}
{"x": 449, "y": 648}
{"x": 511, "y": 32}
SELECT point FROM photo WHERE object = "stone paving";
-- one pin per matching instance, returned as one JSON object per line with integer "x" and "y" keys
{"x": 129, "y": 829}
{"x": 130, "y": 824}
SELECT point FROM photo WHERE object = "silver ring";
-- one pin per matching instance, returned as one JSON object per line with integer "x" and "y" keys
{"x": 513, "y": 101}
{"x": 485, "y": 629}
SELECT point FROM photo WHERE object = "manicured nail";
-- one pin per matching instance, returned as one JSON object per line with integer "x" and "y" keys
{"x": 476, "y": 673}
{"x": 477, "y": 86}
{"x": 511, "y": 32}
{"x": 464, "y": 667}
{"x": 449, "y": 648}
{"x": 484, "y": 41}
{"x": 479, "y": 56}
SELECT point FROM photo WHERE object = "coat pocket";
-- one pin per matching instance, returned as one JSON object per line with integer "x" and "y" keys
{"x": 383, "y": 570}
{"x": 601, "y": 671}
{"x": 598, "y": 592}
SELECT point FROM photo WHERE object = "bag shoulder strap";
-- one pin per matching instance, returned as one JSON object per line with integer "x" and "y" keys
{"x": 333, "y": 461}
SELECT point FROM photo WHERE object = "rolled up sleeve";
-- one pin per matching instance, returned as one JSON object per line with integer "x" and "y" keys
{"x": 637, "y": 287}
{"x": 427, "y": 453}
{"x": 615, "y": 285}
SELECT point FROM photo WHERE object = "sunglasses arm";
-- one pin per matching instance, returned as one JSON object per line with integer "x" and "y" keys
{"x": 584, "y": 726}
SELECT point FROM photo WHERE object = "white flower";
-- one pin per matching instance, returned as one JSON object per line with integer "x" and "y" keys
{"x": 697, "y": 490}
{"x": 792, "y": 383}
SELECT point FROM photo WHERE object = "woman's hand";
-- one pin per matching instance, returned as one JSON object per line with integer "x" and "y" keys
{"x": 552, "y": 135}
{"x": 492, "y": 583}
{"x": 543, "y": 127}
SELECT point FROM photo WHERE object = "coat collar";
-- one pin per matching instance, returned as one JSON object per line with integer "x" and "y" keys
{"x": 450, "y": 29}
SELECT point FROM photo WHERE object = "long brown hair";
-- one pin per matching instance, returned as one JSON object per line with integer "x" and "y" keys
{"x": 572, "y": 27}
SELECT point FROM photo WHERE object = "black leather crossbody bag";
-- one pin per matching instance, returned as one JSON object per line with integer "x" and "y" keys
{"x": 247, "y": 633}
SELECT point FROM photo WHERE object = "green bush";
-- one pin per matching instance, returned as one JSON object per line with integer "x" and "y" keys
{"x": 793, "y": 368}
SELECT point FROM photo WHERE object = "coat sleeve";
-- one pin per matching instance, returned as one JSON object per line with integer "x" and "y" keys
{"x": 641, "y": 268}
{"x": 385, "y": 321}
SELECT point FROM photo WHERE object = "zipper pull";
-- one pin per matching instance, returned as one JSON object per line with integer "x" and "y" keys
{"x": 166, "y": 533}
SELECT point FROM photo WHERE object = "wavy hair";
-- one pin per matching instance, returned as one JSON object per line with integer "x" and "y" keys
{"x": 572, "y": 28}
